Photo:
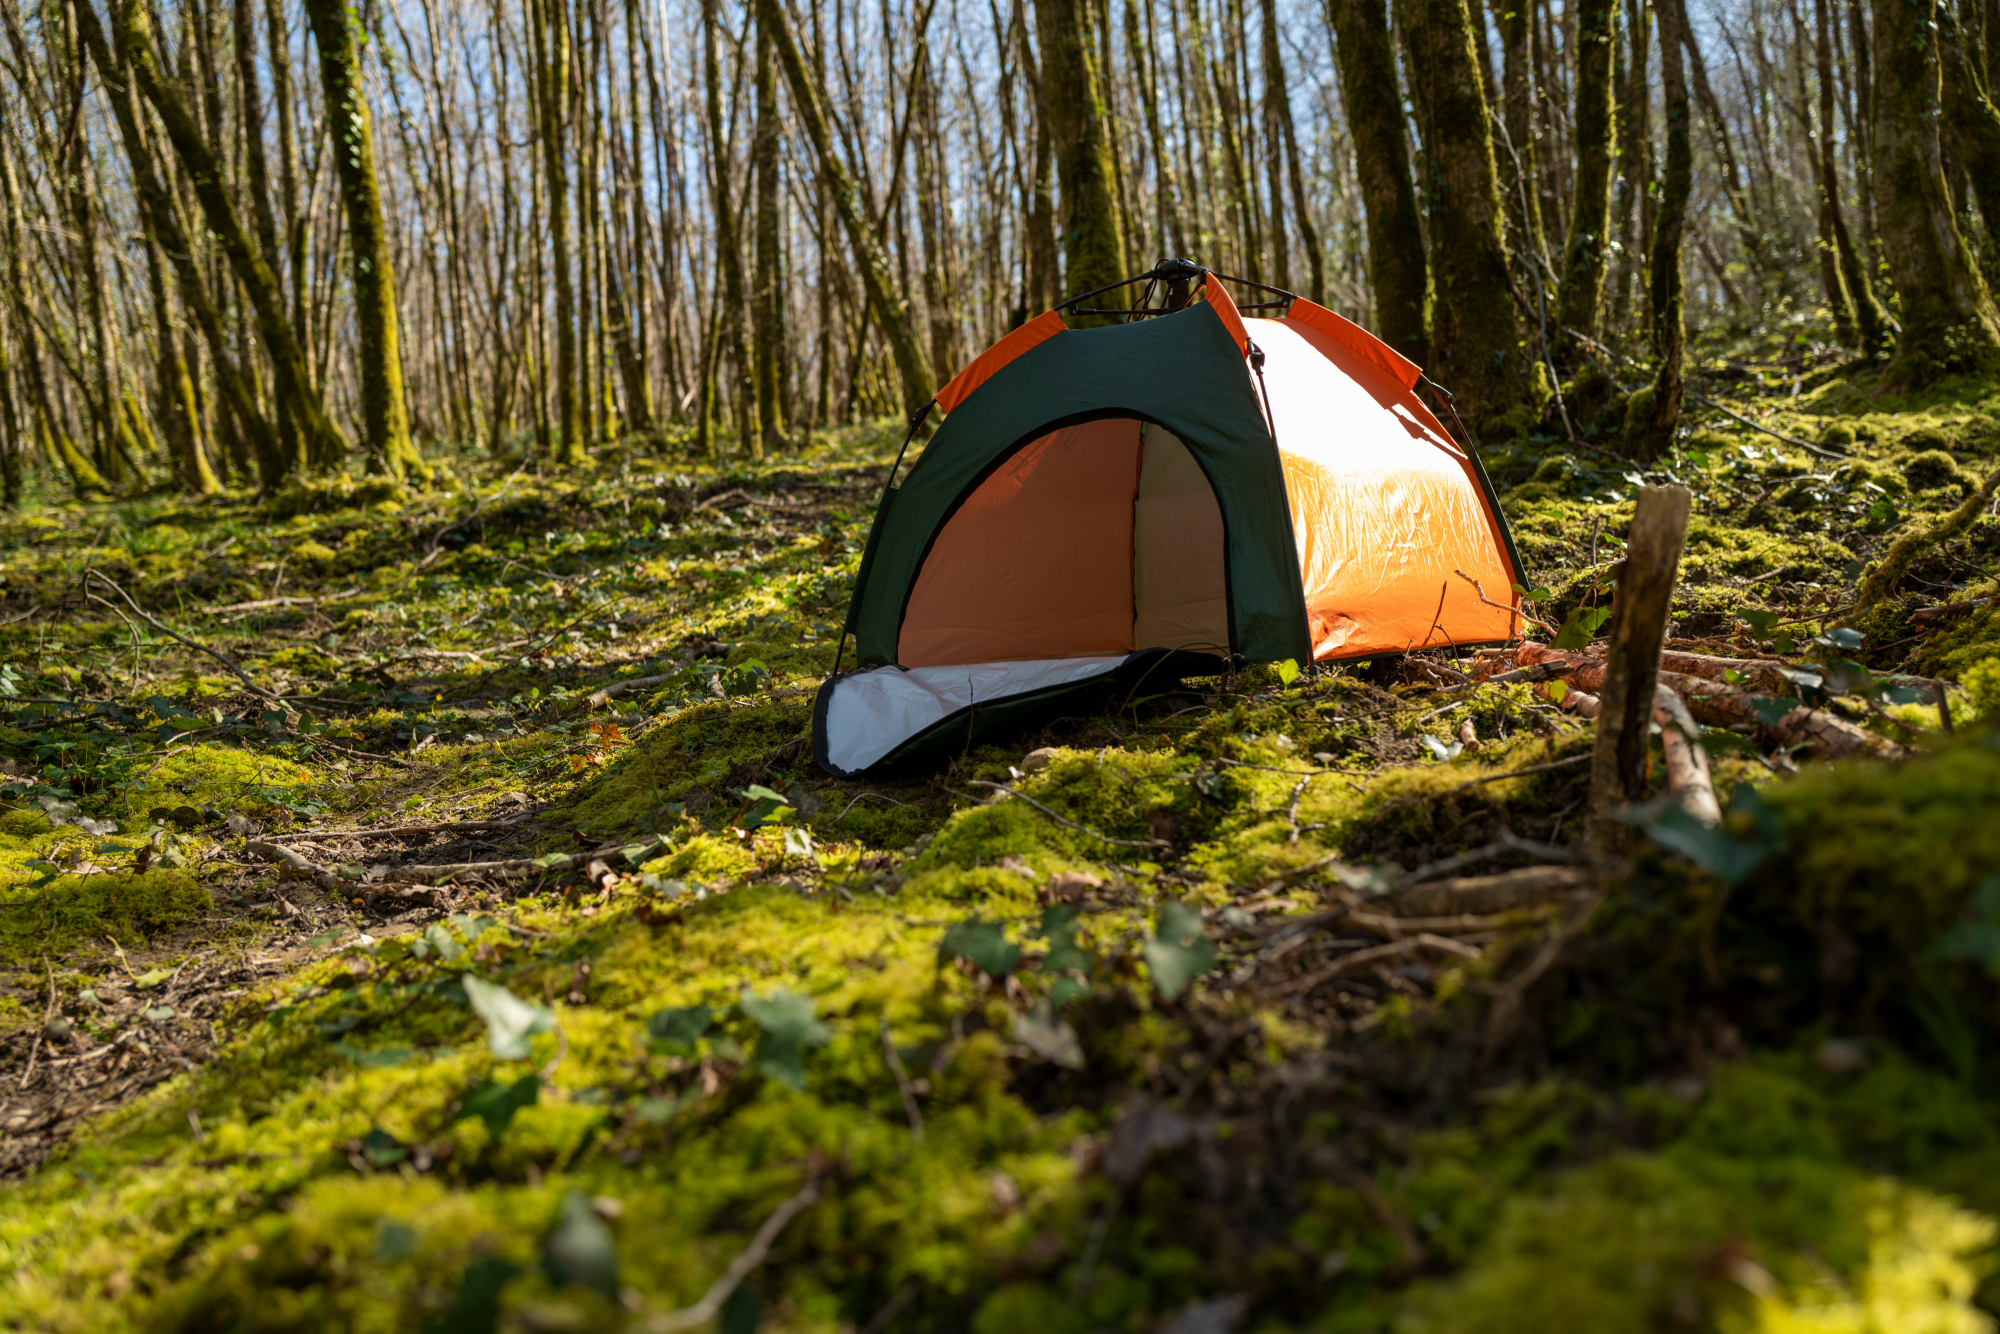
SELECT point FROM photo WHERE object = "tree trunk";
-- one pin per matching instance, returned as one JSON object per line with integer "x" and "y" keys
{"x": 1652, "y": 413}
{"x": 1166, "y": 189}
{"x": 321, "y": 439}
{"x": 1586, "y": 249}
{"x": 912, "y": 365}
{"x": 385, "y": 417}
{"x": 1949, "y": 322}
{"x": 732, "y": 307}
{"x": 1073, "y": 94}
{"x": 1972, "y": 126}
{"x": 767, "y": 298}
{"x": 549, "y": 31}
{"x": 1635, "y": 159}
{"x": 1474, "y": 329}
{"x": 179, "y": 412}
{"x": 1871, "y": 324}
{"x": 1369, "y": 92}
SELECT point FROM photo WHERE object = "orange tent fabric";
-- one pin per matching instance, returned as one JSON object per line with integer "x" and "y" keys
{"x": 984, "y": 366}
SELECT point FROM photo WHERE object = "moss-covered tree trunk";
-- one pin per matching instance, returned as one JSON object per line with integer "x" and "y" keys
{"x": 767, "y": 294}
{"x": 1073, "y": 100}
{"x": 1398, "y": 275}
{"x": 734, "y": 307}
{"x": 179, "y": 411}
{"x": 1585, "y": 250}
{"x": 385, "y": 415}
{"x": 1522, "y": 198}
{"x": 548, "y": 27}
{"x": 1167, "y": 189}
{"x": 320, "y": 438}
{"x": 1972, "y": 126}
{"x": 1948, "y": 318}
{"x": 1652, "y": 413}
{"x": 1285, "y": 148}
{"x": 913, "y": 367}
{"x": 1475, "y": 332}
{"x": 1871, "y": 324}
{"x": 161, "y": 215}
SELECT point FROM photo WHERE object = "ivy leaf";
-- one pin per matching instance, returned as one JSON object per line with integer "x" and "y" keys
{"x": 679, "y": 1027}
{"x": 382, "y": 1149}
{"x": 1771, "y": 712}
{"x": 510, "y": 1021}
{"x": 495, "y": 1103}
{"x": 1058, "y": 927}
{"x": 475, "y": 1307}
{"x": 580, "y": 1250}
{"x": 1180, "y": 951}
{"x": 1288, "y": 671}
{"x": 380, "y": 1058}
{"x": 983, "y": 944}
{"x": 789, "y": 1028}
{"x": 1976, "y": 935}
{"x": 1580, "y": 627}
{"x": 1049, "y": 1036}
{"x": 1558, "y": 691}
{"x": 1749, "y": 835}
{"x": 441, "y": 940}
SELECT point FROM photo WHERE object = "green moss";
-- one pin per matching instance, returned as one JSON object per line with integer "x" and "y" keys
{"x": 230, "y": 778}
{"x": 1931, "y": 469}
{"x": 75, "y": 909}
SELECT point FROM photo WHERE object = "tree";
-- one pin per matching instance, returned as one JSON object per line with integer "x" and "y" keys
{"x": 728, "y": 244}
{"x": 1585, "y": 250}
{"x": 1949, "y": 323}
{"x": 767, "y": 300}
{"x": 1073, "y": 100}
{"x": 548, "y": 28}
{"x": 1652, "y": 413}
{"x": 912, "y": 365}
{"x": 1475, "y": 333}
{"x": 385, "y": 417}
{"x": 1398, "y": 274}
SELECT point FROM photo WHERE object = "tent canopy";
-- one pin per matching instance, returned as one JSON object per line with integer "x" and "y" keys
{"x": 1151, "y": 497}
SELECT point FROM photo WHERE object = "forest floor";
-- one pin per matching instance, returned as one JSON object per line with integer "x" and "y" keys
{"x": 1275, "y": 1004}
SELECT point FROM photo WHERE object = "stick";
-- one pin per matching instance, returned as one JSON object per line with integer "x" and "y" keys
{"x": 1687, "y": 762}
{"x": 112, "y": 584}
{"x": 1347, "y": 963}
{"x": 910, "y": 1108}
{"x": 267, "y": 603}
{"x": 599, "y": 698}
{"x": 705, "y": 1310}
{"x": 1638, "y": 629}
{"x": 401, "y": 831}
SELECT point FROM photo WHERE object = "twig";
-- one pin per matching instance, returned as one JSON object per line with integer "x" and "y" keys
{"x": 1347, "y": 963}
{"x": 360, "y": 754}
{"x": 1292, "y": 811}
{"x": 48, "y": 1014}
{"x": 858, "y": 796}
{"x": 705, "y": 1310}
{"x": 1505, "y": 843}
{"x": 1521, "y": 612}
{"x": 23, "y": 616}
{"x": 1806, "y": 445}
{"x": 112, "y": 584}
{"x": 1521, "y": 772}
{"x": 401, "y": 831}
{"x": 1080, "y": 828}
{"x": 1507, "y": 995}
{"x": 600, "y": 698}
{"x": 910, "y": 1108}
{"x": 266, "y": 603}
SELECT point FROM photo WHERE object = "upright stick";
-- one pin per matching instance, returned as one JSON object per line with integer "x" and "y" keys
{"x": 1632, "y": 663}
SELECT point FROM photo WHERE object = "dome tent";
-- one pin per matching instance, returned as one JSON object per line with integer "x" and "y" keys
{"x": 1146, "y": 501}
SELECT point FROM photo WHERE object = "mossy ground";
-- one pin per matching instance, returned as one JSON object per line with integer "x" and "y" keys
{"x": 317, "y": 1135}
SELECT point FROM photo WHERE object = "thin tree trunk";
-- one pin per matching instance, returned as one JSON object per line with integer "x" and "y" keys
{"x": 1398, "y": 272}
{"x": 1653, "y": 413}
{"x": 1073, "y": 95}
{"x": 1475, "y": 332}
{"x": 1586, "y": 249}
{"x": 385, "y": 417}
{"x": 549, "y": 28}
{"x": 767, "y": 299}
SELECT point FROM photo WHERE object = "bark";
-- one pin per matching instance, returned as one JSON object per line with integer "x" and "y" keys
{"x": 912, "y": 365}
{"x": 549, "y": 30}
{"x": 1586, "y": 249}
{"x": 1652, "y": 415}
{"x": 767, "y": 301}
{"x": 1517, "y": 124}
{"x": 1167, "y": 190}
{"x": 1277, "y": 109}
{"x": 1971, "y": 124}
{"x": 1871, "y": 323}
{"x": 733, "y": 306}
{"x": 1632, "y": 660}
{"x": 320, "y": 438}
{"x": 385, "y": 416}
{"x": 179, "y": 412}
{"x": 1475, "y": 334}
{"x": 1635, "y": 160}
{"x": 1398, "y": 273}
{"x": 1949, "y": 323}
{"x": 1072, "y": 87}
{"x": 1278, "y": 95}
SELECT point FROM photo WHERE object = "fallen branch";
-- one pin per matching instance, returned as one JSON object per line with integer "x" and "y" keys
{"x": 1687, "y": 762}
{"x": 267, "y": 603}
{"x": 1521, "y": 612}
{"x": 1505, "y": 891}
{"x": 598, "y": 699}
{"x": 112, "y": 584}
{"x": 1347, "y": 963}
{"x": 1946, "y": 610}
{"x": 711, "y": 1303}
{"x": 423, "y": 875}
{"x": 1080, "y": 828}
{"x": 402, "y": 831}
{"x": 272, "y": 852}
{"x": 1882, "y": 580}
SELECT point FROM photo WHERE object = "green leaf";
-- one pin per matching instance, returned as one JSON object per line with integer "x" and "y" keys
{"x": 552, "y": 860}
{"x": 1049, "y": 1036}
{"x": 1749, "y": 835}
{"x": 1771, "y": 712}
{"x": 984, "y": 944}
{"x": 1180, "y": 950}
{"x": 382, "y": 1149}
{"x": 785, "y": 1014}
{"x": 1058, "y": 927}
{"x": 1580, "y": 627}
{"x": 1976, "y": 935}
{"x": 579, "y": 1249}
{"x": 475, "y": 1307}
{"x": 510, "y": 1021}
{"x": 680, "y": 1027}
{"x": 758, "y": 792}
{"x": 437, "y": 938}
{"x": 378, "y": 1058}
{"x": 1288, "y": 671}
{"x": 495, "y": 1103}
{"x": 151, "y": 978}
{"x": 1558, "y": 691}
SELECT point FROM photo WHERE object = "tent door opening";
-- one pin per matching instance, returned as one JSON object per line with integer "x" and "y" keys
{"x": 1097, "y": 539}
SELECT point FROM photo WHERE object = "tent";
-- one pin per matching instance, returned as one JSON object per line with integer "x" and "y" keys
{"x": 1136, "y": 503}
